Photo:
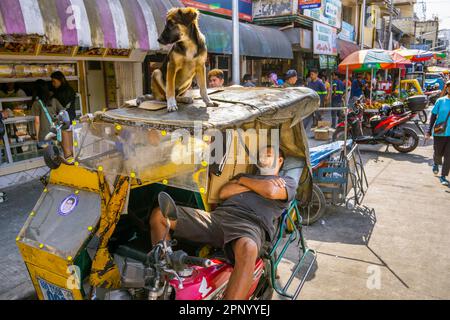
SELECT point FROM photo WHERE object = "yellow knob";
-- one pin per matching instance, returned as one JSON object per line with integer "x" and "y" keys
{"x": 206, "y": 138}
{"x": 75, "y": 144}
{"x": 133, "y": 175}
{"x": 204, "y": 164}
{"x": 74, "y": 123}
{"x": 164, "y": 133}
{"x": 17, "y": 239}
{"x": 77, "y": 164}
{"x": 45, "y": 190}
{"x": 41, "y": 246}
{"x": 69, "y": 258}
{"x": 165, "y": 182}
{"x": 202, "y": 190}
{"x": 32, "y": 214}
{"x": 100, "y": 169}
{"x": 90, "y": 228}
{"x": 118, "y": 127}
{"x": 77, "y": 192}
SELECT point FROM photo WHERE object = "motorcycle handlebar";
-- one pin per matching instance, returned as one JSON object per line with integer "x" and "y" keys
{"x": 195, "y": 261}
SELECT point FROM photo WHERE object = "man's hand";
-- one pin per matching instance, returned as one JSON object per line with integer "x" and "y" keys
{"x": 231, "y": 189}
{"x": 427, "y": 136}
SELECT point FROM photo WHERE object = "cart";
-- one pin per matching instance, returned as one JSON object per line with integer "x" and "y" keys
{"x": 339, "y": 179}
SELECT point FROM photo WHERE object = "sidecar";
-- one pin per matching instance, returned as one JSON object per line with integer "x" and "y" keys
{"x": 124, "y": 158}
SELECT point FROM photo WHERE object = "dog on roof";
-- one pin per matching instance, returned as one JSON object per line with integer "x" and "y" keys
{"x": 185, "y": 60}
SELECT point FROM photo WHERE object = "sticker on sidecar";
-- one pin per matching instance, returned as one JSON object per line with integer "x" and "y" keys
{"x": 54, "y": 293}
{"x": 68, "y": 205}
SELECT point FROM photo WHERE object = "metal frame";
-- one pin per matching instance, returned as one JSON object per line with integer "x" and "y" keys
{"x": 290, "y": 217}
{"x": 345, "y": 176}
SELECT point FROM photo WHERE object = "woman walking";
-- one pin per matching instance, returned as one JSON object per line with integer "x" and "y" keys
{"x": 440, "y": 129}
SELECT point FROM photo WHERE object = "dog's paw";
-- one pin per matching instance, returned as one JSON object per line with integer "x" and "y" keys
{"x": 185, "y": 100}
{"x": 172, "y": 105}
{"x": 212, "y": 104}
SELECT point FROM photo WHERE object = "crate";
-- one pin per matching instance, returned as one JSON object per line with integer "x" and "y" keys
{"x": 322, "y": 134}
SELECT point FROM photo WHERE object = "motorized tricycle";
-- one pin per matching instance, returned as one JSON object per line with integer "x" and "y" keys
{"x": 88, "y": 236}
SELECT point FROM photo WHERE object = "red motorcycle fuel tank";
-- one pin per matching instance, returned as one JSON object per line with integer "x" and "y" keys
{"x": 210, "y": 283}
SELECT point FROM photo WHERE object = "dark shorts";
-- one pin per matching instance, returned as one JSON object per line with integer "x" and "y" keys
{"x": 218, "y": 229}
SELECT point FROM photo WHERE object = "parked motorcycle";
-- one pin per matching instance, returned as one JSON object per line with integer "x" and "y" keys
{"x": 433, "y": 93}
{"x": 164, "y": 274}
{"x": 386, "y": 127}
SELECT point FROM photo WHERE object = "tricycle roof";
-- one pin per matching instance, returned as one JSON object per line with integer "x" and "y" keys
{"x": 237, "y": 106}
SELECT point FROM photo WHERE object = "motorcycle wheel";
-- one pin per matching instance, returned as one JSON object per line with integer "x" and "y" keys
{"x": 409, "y": 136}
{"x": 52, "y": 157}
{"x": 423, "y": 117}
{"x": 316, "y": 209}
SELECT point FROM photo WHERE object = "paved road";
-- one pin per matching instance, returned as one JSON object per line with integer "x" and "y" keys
{"x": 14, "y": 280}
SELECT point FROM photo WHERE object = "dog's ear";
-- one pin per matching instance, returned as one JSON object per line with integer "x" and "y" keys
{"x": 188, "y": 15}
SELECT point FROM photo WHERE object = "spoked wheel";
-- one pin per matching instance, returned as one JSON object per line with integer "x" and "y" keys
{"x": 423, "y": 117}
{"x": 316, "y": 208}
{"x": 411, "y": 141}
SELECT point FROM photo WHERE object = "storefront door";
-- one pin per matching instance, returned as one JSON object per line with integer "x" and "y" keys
{"x": 95, "y": 86}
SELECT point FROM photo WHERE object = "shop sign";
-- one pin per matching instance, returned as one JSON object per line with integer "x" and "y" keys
{"x": 324, "y": 39}
{"x": 309, "y": 4}
{"x": 330, "y": 13}
{"x": 347, "y": 33}
{"x": 273, "y": 8}
{"x": 327, "y": 62}
{"x": 223, "y": 7}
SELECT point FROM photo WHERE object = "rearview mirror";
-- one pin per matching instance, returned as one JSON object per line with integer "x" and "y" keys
{"x": 168, "y": 207}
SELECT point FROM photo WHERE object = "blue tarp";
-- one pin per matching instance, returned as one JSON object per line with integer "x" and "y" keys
{"x": 322, "y": 152}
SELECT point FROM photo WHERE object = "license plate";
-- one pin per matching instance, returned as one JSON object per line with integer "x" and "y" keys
{"x": 54, "y": 293}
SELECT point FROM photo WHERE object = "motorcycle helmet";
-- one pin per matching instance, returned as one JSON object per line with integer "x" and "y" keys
{"x": 398, "y": 107}
{"x": 385, "y": 110}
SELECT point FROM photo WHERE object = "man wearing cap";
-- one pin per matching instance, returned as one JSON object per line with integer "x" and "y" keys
{"x": 317, "y": 85}
{"x": 338, "y": 90}
{"x": 291, "y": 79}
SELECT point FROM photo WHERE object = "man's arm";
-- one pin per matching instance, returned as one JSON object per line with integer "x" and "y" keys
{"x": 273, "y": 189}
{"x": 231, "y": 189}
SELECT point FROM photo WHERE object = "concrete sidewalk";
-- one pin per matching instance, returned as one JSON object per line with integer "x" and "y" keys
{"x": 397, "y": 245}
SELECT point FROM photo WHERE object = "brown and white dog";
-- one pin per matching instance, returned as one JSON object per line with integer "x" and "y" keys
{"x": 185, "y": 60}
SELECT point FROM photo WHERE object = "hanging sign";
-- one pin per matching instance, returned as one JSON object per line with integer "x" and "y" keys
{"x": 309, "y": 4}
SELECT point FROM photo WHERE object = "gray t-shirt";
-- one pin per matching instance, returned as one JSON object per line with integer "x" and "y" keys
{"x": 251, "y": 205}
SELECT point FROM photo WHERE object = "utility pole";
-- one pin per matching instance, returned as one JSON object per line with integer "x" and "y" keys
{"x": 236, "y": 50}
{"x": 391, "y": 9}
{"x": 363, "y": 22}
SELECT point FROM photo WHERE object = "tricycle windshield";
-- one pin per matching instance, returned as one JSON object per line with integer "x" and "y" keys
{"x": 147, "y": 155}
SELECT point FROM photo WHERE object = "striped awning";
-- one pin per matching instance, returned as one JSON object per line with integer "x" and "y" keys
{"x": 118, "y": 24}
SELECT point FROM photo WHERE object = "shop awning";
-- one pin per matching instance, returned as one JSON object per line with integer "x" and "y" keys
{"x": 346, "y": 48}
{"x": 255, "y": 41}
{"x": 118, "y": 24}
{"x": 126, "y": 24}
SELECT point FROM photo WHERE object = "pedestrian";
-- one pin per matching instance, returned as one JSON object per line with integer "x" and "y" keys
{"x": 291, "y": 79}
{"x": 247, "y": 81}
{"x": 273, "y": 78}
{"x": 66, "y": 96}
{"x": 317, "y": 85}
{"x": 440, "y": 129}
{"x": 64, "y": 93}
{"x": 45, "y": 108}
{"x": 337, "y": 99}
{"x": 358, "y": 86}
{"x": 216, "y": 78}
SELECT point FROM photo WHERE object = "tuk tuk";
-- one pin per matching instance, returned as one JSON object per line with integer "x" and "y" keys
{"x": 73, "y": 241}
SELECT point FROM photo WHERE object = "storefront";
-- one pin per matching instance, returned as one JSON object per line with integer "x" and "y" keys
{"x": 99, "y": 46}
{"x": 259, "y": 47}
